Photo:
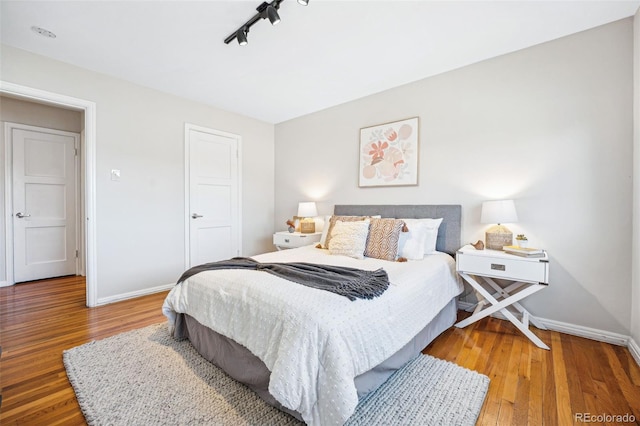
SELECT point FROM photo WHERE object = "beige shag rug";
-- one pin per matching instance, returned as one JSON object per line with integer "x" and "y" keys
{"x": 145, "y": 377}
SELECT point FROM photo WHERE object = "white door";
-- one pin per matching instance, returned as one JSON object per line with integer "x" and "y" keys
{"x": 44, "y": 203}
{"x": 214, "y": 196}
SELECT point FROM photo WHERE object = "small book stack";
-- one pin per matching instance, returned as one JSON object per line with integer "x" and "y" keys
{"x": 524, "y": 251}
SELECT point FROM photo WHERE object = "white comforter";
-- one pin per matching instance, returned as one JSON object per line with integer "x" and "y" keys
{"x": 315, "y": 342}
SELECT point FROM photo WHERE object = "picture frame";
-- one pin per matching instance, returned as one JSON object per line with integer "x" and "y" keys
{"x": 389, "y": 154}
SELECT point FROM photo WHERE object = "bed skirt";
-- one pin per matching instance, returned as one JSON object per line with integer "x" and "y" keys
{"x": 239, "y": 363}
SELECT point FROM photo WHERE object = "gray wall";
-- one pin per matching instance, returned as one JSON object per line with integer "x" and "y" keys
{"x": 140, "y": 219}
{"x": 635, "y": 301}
{"x": 33, "y": 114}
{"x": 549, "y": 126}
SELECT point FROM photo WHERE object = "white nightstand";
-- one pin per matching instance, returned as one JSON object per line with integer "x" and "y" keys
{"x": 527, "y": 276}
{"x": 286, "y": 240}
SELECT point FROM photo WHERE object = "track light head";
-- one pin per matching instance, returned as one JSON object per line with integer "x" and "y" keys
{"x": 273, "y": 16}
{"x": 241, "y": 36}
{"x": 303, "y": 2}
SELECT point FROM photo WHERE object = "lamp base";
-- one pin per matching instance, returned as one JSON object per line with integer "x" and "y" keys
{"x": 497, "y": 237}
{"x": 307, "y": 226}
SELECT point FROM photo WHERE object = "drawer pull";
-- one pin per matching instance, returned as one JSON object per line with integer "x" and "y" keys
{"x": 286, "y": 240}
{"x": 497, "y": 267}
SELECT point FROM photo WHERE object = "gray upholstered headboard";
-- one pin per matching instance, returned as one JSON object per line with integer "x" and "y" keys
{"x": 448, "y": 233}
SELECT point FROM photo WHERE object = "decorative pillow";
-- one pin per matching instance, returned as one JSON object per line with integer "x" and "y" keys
{"x": 332, "y": 223}
{"x": 432, "y": 226}
{"x": 349, "y": 238}
{"x": 384, "y": 235}
{"x": 411, "y": 244}
{"x": 325, "y": 231}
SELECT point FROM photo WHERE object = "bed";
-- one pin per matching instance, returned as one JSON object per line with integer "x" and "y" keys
{"x": 309, "y": 352}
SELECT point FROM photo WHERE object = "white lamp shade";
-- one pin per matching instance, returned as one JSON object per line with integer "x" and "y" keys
{"x": 307, "y": 209}
{"x": 502, "y": 211}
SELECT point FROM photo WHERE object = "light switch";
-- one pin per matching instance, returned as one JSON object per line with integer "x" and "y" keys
{"x": 115, "y": 174}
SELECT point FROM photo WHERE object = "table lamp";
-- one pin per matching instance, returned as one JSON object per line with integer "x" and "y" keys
{"x": 306, "y": 212}
{"x": 498, "y": 212}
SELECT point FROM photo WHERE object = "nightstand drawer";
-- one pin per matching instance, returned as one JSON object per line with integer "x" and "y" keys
{"x": 292, "y": 240}
{"x": 533, "y": 270}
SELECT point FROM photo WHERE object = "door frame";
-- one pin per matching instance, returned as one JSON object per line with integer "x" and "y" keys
{"x": 8, "y": 194}
{"x": 88, "y": 153}
{"x": 187, "y": 188}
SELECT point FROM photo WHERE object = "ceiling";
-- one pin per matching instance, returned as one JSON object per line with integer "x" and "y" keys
{"x": 320, "y": 55}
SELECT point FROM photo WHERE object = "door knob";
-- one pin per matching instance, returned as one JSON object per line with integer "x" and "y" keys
{"x": 196, "y": 215}
{"x": 19, "y": 215}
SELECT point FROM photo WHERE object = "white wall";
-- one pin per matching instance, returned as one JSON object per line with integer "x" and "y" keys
{"x": 549, "y": 126}
{"x": 18, "y": 111}
{"x": 635, "y": 301}
{"x": 140, "y": 223}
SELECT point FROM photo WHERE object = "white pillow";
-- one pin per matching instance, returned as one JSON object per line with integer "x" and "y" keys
{"x": 432, "y": 226}
{"x": 411, "y": 244}
{"x": 349, "y": 238}
{"x": 325, "y": 230}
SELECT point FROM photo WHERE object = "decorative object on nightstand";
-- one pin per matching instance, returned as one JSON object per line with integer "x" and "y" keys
{"x": 524, "y": 251}
{"x": 307, "y": 211}
{"x": 527, "y": 275}
{"x": 522, "y": 240}
{"x": 498, "y": 212}
{"x": 286, "y": 240}
{"x": 479, "y": 245}
{"x": 291, "y": 226}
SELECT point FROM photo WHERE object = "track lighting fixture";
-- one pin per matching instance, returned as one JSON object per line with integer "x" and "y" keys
{"x": 265, "y": 11}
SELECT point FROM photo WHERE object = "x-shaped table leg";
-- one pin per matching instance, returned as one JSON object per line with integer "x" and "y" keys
{"x": 483, "y": 311}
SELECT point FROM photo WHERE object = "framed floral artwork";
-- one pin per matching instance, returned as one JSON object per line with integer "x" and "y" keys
{"x": 389, "y": 154}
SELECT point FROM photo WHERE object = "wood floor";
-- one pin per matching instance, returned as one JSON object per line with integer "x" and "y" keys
{"x": 529, "y": 386}
{"x": 578, "y": 379}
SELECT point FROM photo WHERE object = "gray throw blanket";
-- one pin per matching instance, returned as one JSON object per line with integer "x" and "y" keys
{"x": 348, "y": 282}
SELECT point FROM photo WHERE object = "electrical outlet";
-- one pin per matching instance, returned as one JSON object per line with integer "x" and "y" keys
{"x": 115, "y": 175}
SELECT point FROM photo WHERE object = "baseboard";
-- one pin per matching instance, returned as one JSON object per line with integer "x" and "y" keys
{"x": 586, "y": 332}
{"x": 5, "y": 283}
{"x": 573, "y": 329}
{"x": 635, "y": 350}
{"x": 134, "y": 294}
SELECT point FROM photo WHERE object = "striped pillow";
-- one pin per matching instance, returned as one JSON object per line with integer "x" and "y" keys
{"x": 384, "y": 235}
